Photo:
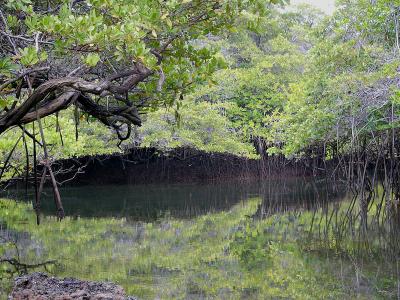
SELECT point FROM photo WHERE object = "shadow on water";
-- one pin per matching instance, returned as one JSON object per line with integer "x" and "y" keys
{"x": 217, "y": 239}
{"x": 152, "y": 202}
{"x": 298, "y": 194}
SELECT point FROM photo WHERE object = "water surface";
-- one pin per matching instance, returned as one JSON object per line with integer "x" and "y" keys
{"x": 152, "y": 202}
{"x": 209, "y": 241}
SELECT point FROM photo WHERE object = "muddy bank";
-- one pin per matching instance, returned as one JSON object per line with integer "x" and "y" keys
{"x": 146, "y": 166}
{"x": 40, "y": 286}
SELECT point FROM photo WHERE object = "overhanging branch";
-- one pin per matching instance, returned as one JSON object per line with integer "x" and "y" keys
{"x": 43, "y": 102}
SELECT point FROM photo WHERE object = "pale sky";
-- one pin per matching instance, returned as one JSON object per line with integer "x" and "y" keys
{"x": 328, "y": 6}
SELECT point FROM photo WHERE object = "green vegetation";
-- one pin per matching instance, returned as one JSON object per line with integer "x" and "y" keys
{"x": 240, "y": 76}
{"x": 201, "y": 126}
{"x": 227, "y": 254}
{"x": 291, "y": 82}
{"x": 60, "y": 136}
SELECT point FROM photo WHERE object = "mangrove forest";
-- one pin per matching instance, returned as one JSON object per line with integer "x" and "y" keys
{"x": 199, "y": 149}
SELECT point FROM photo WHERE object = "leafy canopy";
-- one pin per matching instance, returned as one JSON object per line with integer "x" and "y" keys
{"x": 114, "y": 59}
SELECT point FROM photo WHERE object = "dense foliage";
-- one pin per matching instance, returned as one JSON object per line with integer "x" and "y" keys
{"x": 299, "y": 82}
{"x": 66, "y": 64}
{"x": 350, "y": 87}
{"x": 113, "y": 59}
{"x": 291, "y": 81}
{"x": 203, "y": 126}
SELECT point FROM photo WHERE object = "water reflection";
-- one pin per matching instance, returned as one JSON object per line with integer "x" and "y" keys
{"x": 298, "y": 194}
{"x": 152, "y": 202}
{"x": 215, "y": 256}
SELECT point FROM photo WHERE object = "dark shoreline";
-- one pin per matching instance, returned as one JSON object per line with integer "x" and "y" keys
{"x": 149, "y": 166}
{"x": 143, "y": 166}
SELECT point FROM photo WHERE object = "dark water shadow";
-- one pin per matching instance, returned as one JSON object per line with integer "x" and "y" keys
{"x": 152, "y": 202}
{"x": 298, "y": 194}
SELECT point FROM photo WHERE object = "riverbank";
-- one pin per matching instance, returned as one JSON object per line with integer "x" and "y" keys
{"x": 182, "y": 165}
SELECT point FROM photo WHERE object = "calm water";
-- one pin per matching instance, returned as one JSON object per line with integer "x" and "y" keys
{"x": 172, "y": 241}
{"x": 152, "y": 202}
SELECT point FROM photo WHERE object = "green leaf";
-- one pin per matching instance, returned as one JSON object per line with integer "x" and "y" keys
{"x": 29, "y": 56}
{"x": 92, "y": 59}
